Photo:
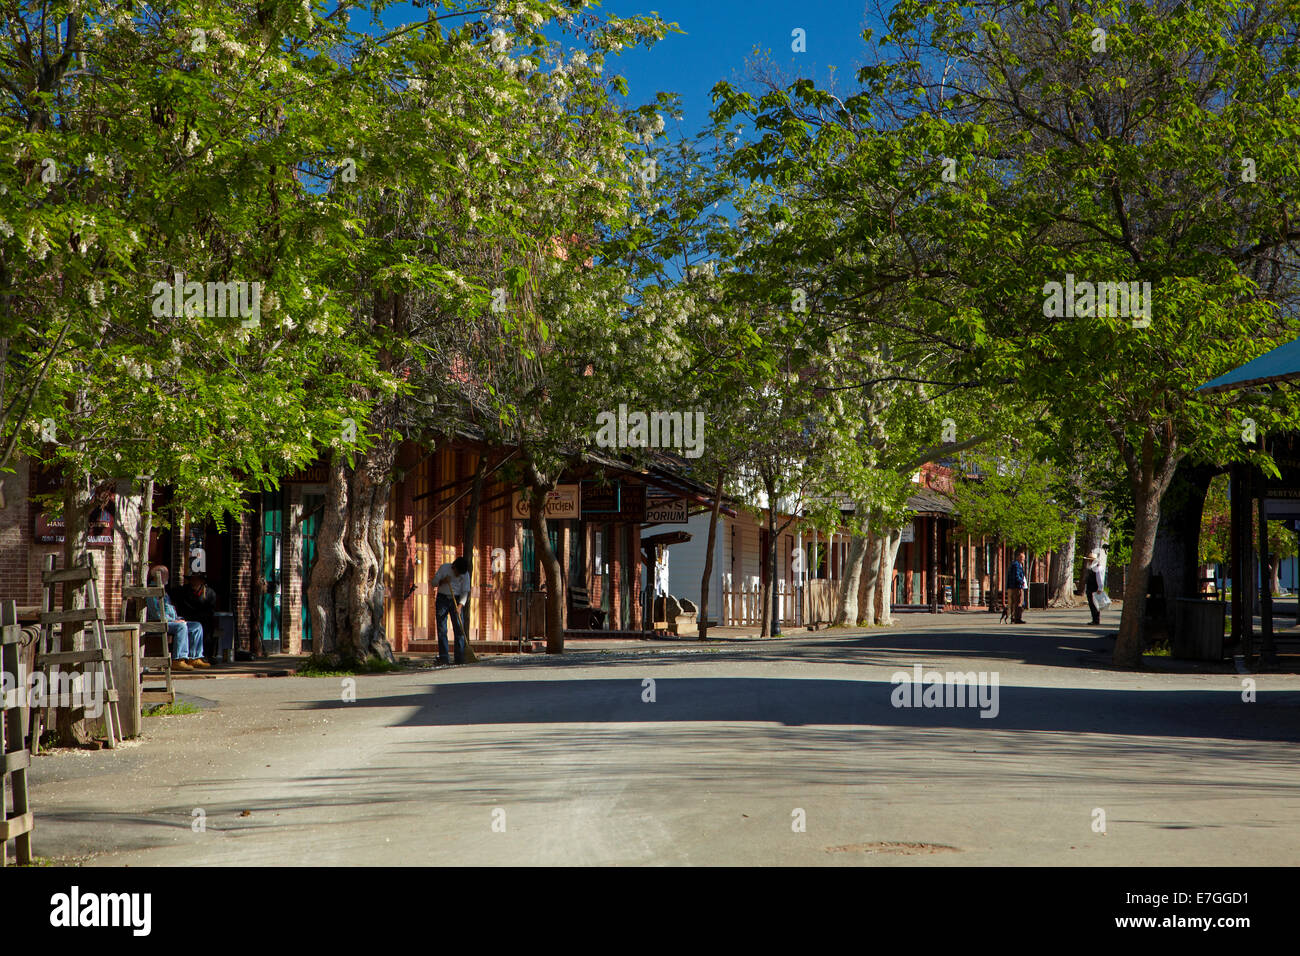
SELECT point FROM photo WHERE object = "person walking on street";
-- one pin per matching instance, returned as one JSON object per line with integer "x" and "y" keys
{"x": 1016, "y": 584}
{"x": 451, "y": 585}
{"x": 1092, "y": 584}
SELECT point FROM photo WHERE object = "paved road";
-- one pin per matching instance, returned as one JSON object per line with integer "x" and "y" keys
{"x": 575, "y": 767}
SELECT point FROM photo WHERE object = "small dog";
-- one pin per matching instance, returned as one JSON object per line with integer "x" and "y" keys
{"x": 1006, "y": 614}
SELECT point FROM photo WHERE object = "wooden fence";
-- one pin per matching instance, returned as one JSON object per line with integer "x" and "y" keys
{"x": 814, "y": 603}
{"x": 16, "y": 820}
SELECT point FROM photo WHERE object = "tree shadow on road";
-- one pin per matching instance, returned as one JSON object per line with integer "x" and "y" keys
{"x": 817, "y": 701}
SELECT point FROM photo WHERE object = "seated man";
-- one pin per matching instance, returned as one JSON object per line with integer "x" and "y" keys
{"x": 198, "y": 602}
{"x": 187, "y": 649}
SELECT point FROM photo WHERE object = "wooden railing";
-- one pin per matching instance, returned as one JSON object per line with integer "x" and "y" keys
{"x": 15, "y": 757}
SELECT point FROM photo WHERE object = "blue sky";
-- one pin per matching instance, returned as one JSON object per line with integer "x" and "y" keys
{"x": 720, "y": 36}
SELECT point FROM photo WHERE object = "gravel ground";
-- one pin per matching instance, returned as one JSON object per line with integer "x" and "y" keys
{"x": 785, "y": 751}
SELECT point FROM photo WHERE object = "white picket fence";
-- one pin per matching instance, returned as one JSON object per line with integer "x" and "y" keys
{"x": 742, "y": 602}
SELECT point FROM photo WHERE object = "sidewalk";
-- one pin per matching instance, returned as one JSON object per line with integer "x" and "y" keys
{"x": 276, "y": 665}
{"x": 906, "y": 619}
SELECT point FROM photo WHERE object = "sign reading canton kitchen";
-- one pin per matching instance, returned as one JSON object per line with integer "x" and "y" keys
{"x": 560, "y": 503}
{"x": 666, "y": 511}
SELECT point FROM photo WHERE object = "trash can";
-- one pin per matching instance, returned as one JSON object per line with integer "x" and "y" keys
{"x": 1037, "y": 594}
{"x": 226, "y": 635}
{"x": 124, "y": 650}
{"x": 1198, "y": 630}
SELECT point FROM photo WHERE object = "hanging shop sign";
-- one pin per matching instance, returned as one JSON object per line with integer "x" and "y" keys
{"x": 99, "y": 526}
{"x": 601, "y": 499}
{"x": 666, "y": 511}
{"x": 49, "y": 528}
{"x": 562, "y": 503}
{"x": 626, "y": 503}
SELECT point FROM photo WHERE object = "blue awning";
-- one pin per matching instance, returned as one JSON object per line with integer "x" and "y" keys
{"x": 1276, "y": 366}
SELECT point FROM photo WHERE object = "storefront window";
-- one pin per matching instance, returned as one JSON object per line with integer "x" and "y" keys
{"x": 528, "y": 561}
{"x": 577, "y": 556}
{"x": 532, "y": 576}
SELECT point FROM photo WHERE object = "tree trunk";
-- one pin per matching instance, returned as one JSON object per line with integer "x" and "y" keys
{"x": 539, "y": 488}
{"x": 1178, "y": 534}
{"x": 346, "y": 592}
{"x": 773, "y": 590}
{"x": 875, "y": 546}
{"x": 884, "y": 586}
{"x": 471, "y": 538}
{"x": 1061, "y": 576}
{"x": 69, "y": 722}
{"x": 706, "y": 578}
{"x": 1096, "y": 531}
{"x": 765, "y": 580}
{"x": 146, "y": 529}
{"x": 847, "y": 612}
{"x": 1149, "y": 485}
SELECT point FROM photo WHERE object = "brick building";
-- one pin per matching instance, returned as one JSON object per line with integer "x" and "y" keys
{"x": 940, "y": 562}
{"x": 28, "y": 533}
{"x": 261, "y": 563}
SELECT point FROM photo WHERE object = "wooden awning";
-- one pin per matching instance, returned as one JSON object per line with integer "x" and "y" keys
{"x": 666, "y": 538}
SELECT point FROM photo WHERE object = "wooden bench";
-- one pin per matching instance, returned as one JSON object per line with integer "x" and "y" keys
{"x": 582, "y": 616}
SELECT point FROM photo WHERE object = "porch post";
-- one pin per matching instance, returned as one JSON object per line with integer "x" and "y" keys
{"x": 1237, "y": 493}
{"x": 1267, "y": 651}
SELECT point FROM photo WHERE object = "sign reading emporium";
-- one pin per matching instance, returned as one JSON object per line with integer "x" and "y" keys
{"x": 666, "y": 511}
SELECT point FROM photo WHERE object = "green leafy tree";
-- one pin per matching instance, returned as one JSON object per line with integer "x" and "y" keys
{"x": 1003, "y": 153}
{"x": 1018, "y": 501}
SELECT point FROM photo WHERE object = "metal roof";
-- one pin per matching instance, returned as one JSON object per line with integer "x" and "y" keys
{"x": 928, "y": 502}
{"x": 1279, "y": 365}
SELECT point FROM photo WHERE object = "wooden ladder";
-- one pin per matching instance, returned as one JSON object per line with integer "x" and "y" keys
{"x": 161, "y": 663}
{"x": 83, "y": 577}
{"x": 15, "y": 823}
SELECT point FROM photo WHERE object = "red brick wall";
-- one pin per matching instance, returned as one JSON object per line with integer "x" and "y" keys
{"x": 22, "y": 560}
{"x": 16, "y": 582}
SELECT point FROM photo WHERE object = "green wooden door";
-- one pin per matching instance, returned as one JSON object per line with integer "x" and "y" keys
{"x": 272, "y": 537}
{"x": 311, "y": 510}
